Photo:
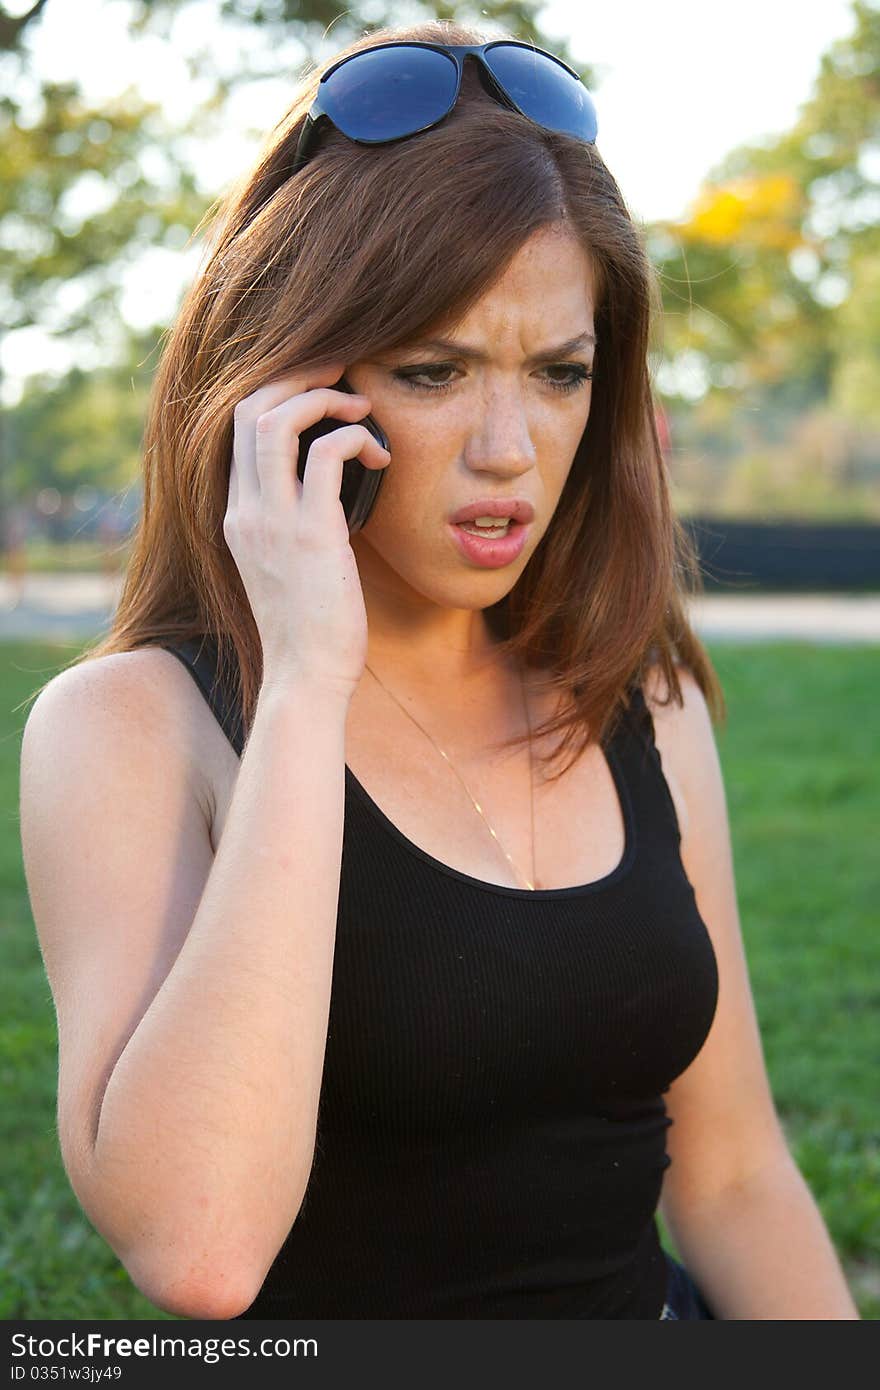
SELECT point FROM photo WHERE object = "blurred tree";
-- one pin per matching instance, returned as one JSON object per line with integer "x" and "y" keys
{"x": 84, "y": 429}
{"x": 855, "y": 335}
{"x": 67, "y": 152}
{"x": 754, "y": 276}
{"x": 770, "y": 283}
{"x": 60, "y": 268}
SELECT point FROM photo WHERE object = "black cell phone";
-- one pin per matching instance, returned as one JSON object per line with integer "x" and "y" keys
{"x": 360, "y": 485}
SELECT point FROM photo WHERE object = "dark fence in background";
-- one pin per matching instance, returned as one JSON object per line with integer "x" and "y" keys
{"x": 739, "y": 556}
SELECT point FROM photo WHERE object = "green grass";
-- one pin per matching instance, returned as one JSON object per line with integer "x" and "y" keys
{"x": 803, "y": 798}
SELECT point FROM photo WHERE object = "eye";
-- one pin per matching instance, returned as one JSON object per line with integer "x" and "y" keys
{"x": 576, "y": 375}
{"x": 410, "y": 376}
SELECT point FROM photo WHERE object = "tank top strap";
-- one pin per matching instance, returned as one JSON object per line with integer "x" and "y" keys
{"x": 637, "y": 719}
{"x": 634, "y": 741}
{"x": 199, "y": 656}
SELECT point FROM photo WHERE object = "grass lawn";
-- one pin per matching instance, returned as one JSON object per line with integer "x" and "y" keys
{"x": 803, "y": 800}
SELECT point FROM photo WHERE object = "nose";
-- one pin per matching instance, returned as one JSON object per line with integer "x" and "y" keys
{"x": 500, "y": 441}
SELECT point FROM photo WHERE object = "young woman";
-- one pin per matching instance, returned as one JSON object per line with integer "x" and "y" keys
{"x": 371, "y": 1002}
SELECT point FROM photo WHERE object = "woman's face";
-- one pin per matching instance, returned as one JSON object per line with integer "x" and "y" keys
{"x": 497, "y": 412}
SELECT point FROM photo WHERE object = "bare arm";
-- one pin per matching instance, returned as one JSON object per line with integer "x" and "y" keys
{"x": 739, "y": 1211}
{"x": 193, "y": 1161}
{"x": 760, "y": 1251}
{"x": 193, "y": 992}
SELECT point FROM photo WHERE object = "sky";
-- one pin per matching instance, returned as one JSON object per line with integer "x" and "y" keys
{"x": 677, "y": 85}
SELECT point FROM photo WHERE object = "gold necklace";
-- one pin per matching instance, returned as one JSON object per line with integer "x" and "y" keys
{"x": 530, "y": 883}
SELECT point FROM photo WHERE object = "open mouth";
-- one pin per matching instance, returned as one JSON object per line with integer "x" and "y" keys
{"x": 490, "y": 546}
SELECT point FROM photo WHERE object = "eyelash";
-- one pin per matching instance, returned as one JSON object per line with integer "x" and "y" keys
{"x": 408, "y": 375}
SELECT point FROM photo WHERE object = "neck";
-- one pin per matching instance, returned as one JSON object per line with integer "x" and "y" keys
{"x": 419, "y": 643}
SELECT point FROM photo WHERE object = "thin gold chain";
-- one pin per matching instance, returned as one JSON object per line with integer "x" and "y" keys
{"x": 529, "y": 883}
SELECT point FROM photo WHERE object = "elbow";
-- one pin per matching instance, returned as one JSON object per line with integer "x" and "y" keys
{"x": 215, "y": 1295}
{"x": 189, "y": 1278}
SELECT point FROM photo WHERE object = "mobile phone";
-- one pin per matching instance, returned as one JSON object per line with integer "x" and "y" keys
{"x": 360, "y": 485}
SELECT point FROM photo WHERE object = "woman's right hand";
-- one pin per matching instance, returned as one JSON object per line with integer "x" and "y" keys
{"x": 289, "y": 539}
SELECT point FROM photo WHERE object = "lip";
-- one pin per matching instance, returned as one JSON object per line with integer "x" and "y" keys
{"x": 517, "y": 508}
{"x": 491, "y": 554}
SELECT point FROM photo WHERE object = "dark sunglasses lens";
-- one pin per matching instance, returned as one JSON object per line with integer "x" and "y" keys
{"x": 544, "y": 90}
{"x": 389, "y": 92}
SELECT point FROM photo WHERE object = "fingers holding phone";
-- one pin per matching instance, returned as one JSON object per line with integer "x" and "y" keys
{"x": 360, "y": 484}
{"x": 289, "y": 537}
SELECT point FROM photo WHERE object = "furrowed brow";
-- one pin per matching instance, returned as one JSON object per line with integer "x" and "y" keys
{"x": 473, "y": 354}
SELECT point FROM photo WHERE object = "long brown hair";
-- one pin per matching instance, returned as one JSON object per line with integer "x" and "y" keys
{"x": 359, "y": 252}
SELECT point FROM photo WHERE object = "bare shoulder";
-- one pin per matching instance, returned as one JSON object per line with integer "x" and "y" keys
{"x": 663, "y": 703}
{"x": 684, "y": 737}
{"x": 145, "y": 695}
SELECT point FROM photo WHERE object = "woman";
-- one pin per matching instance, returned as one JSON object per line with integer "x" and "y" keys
{"x": 366, "y": 1011}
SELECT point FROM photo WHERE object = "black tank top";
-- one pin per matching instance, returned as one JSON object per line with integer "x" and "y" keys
{"x": 491, "y": 1126}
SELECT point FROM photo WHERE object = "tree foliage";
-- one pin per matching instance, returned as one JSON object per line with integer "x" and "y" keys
{"x": 755, "y": 274}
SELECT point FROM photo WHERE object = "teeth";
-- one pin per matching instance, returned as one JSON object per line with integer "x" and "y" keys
{"x": 491, "y": 520}
{"x": 492, "y": 532}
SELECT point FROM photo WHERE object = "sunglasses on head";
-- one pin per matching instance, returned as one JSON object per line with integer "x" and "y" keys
{"x": 400, "y": 88}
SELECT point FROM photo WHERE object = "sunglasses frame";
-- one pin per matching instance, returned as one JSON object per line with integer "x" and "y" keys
{"x": 457, "y": 53}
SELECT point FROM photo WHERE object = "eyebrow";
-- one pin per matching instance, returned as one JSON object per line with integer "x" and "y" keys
{"x": 475, "y": 355}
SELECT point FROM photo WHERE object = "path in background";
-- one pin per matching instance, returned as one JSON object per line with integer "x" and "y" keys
{"x": 68, "y": 608}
